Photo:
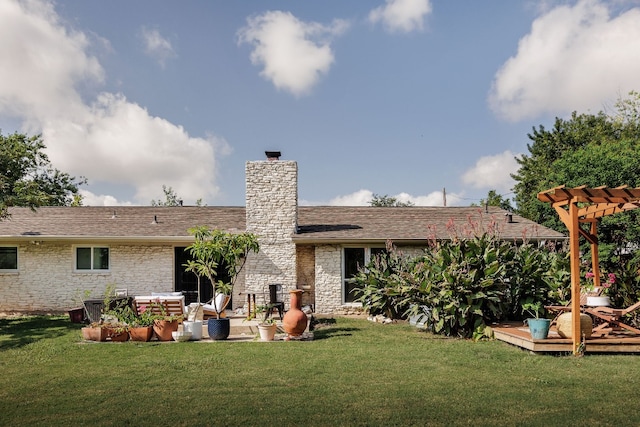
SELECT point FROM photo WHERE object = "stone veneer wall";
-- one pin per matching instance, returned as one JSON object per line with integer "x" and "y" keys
{"x": 272, "y": 214}
{"x": 46, "y": 280}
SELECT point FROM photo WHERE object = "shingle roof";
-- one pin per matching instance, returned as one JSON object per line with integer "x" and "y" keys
{"x": 342, "y": 224}
{"x": 321, "y": 224}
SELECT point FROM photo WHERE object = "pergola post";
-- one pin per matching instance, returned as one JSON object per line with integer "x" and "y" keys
{"x": 574, "y": 247}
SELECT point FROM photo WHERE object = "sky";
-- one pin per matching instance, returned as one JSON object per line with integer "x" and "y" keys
{"x": 405, "y": 98}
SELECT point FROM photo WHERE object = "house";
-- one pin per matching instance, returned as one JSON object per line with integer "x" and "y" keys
{"x": 50, "y": 255}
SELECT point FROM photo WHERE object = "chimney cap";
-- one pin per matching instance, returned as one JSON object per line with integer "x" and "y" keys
{"x": 273, "y": 155}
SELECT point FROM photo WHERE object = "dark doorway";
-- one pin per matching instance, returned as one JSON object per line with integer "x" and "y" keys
{"x": 187, "y": 282}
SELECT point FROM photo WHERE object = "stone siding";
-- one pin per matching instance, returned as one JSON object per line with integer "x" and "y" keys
{"x": 46, "y": 280}
{"x": 272, "y": 214}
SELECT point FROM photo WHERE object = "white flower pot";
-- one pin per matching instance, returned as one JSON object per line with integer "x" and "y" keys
{"x": 195, "y": 328}
{"x": 601, "y": 301}
{"x": 267, "y": 332}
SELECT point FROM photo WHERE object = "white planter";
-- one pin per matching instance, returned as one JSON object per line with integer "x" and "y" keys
{"x": 195, "y": 328}
{"x": 602, "y": 301}
{"x": 267, "y": 332}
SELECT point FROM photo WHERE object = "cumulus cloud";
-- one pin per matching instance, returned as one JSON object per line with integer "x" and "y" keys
{"x": 91, "y": 199}
{"x": 363, "y": 198}
{"x": 46, "y": 62}
{"x": 294, "y": 54}
{"x": 575, "y": 58}
{"x": 156, "y": 46}
{"x": 108, "y": 139}
{"x": 401, "y": 15}
{"x": 492, "y": 172}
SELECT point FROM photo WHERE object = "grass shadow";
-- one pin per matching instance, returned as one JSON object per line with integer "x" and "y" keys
{"x": 324, "y": 328}
{"x": 20, "y": 331}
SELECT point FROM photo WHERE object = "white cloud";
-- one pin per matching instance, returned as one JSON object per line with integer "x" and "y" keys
{"x": 90, "y": 199}
{"x": 47, "y": 60}
{"x": 363, "y": 198}
{"x": 401, "y": 15}
{"x": 576, "y": 58}
{"x": 117, "y": 141}
{"x": 157, "y": 46}
{"x": 359, "y": 198}
{"x": 294, "y": 54}
{"x": 493, "y": 172}
{"x": 108, "y": 140}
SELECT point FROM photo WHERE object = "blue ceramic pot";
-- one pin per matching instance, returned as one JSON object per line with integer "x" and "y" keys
{"x": 218, "y": 329}
{"x": 539, "y": 328}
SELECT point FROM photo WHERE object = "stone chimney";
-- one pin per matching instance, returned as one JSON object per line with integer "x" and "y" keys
{"x": 272, "y": 214}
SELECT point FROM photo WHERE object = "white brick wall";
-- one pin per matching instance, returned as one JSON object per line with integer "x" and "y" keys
{"x": 46, "y": 280}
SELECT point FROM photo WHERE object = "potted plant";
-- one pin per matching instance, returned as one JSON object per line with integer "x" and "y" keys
{"x": 116, "y": 318}
{"x": 267, "y": 324}
{"x": 111, "y": 322}
{"x": 539, "y": 327}
{"x": 164, "y": 323}
{"x": 218, "y": 249}
{"x": 141, "y": 324}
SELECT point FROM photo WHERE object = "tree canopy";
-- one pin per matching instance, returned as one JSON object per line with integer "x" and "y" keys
{"x": 587, "y": 149}
{"x": 387, "y": 201}
{"x": 495, "y": 199}
{"x": 28, "y": 179}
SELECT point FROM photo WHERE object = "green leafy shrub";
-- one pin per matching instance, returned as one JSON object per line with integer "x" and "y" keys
{"x": 465, "y": 284}
{"x": 382, "y": 286}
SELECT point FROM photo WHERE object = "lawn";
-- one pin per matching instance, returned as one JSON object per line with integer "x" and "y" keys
{"x": 354, "y": 373}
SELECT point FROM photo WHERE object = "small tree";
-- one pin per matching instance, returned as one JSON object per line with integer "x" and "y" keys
{"x": 215, "y": 249}
{"x": 170, "y": 198}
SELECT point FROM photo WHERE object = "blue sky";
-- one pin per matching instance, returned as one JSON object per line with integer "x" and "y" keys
{"x": 396, "y": 97}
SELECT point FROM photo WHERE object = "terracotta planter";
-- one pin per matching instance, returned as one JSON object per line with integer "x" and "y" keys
{"x": 294, "y": 322}
{"x": 163, "y": 329}
{"x": 117, "y": 336}
{"x": 141, "y": 333}
{"x": 267, "y": 332}
{"x": 94, "y": 334}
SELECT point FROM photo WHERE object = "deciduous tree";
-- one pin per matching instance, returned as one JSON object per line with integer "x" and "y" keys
{"x": 28, "y": 179}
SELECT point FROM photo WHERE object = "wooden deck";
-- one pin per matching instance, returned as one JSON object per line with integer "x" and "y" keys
{"x": 519, "y": 335}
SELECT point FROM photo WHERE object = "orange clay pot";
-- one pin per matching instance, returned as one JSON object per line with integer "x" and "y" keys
{"x": 294, "y": 322}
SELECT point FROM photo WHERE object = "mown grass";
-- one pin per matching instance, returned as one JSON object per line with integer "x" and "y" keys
{"x": 353, "y": 373}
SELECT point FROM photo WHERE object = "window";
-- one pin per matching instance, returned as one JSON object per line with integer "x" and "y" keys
{"x": 92, "y": 258}
{"x": 8, "y": 258}
{"x": 354, "y": 258}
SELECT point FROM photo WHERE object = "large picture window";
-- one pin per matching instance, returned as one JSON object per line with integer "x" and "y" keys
{"x": 8, "y": 258}
{"x": 91, "y": 258}
{"x": 354, "y": 258}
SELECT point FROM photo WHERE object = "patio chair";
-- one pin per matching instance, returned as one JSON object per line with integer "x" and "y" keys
{"x": 209, "y": 309}
{"x": 274, "y": 298}
{"x": 612, "y": 319}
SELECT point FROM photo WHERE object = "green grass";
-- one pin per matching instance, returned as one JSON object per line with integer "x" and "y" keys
{"x": 354, "y": 373}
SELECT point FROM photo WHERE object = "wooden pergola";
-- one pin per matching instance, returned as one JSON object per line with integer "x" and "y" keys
{"x": 577, "y": 206}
